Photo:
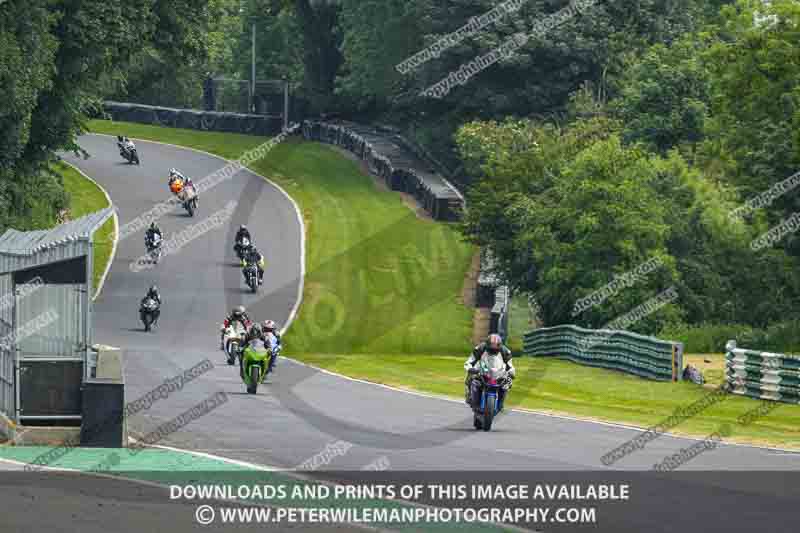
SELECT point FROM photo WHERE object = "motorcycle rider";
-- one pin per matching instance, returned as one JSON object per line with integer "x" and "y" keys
{"x": 153, "y": 293}
{"x": 151, "y": 232}
{"x": 241, "y": 233}
{"x": 268, "y": 327}
{"x": 255, "y": 342}
{"x": 124, "y": 144}
{"x": 174, "y": 174}
{"x": 472, "y": 386}
{"x": 254, "y": 257}
{"x": 238, "y": 314}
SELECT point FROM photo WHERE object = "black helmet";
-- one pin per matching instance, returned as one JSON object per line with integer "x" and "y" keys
{"x": 238, "y": 310}
{"x": 153, "y": 225}
{"x": 154, "y": 289}
{"x": 242, "y": 228}
{"x": 255, "y": 331}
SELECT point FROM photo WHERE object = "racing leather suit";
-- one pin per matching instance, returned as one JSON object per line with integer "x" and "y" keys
{"x": 254, "y": 257}
{"x": 157, "y": 311}
{"x": 243, "y": 320}
{"x": 472, "y": 386}
{"x": 148, "y": 236}
{"x": 276, "y": 349}
{"x": 154, "y": 295}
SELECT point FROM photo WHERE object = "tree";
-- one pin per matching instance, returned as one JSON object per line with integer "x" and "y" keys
{"x": 664, "y": 95}
{"x": 56, "y": 61}
{"x": 753, "y": 135}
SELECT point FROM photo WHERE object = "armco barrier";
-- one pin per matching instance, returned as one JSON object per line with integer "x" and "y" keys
{"x": 765, "y": 375}
{"x": 397, "y": 166}
{"x": 498, "y": 321}
{"x": 643, "y": 356}
{"x": 266, "y": 125}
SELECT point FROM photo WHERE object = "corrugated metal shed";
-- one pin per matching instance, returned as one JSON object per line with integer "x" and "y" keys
{"x": 20, "y": 250}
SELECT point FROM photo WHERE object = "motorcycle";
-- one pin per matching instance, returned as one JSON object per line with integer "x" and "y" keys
{"x": 149, "y": 313}
{"x": 492, "y": 375}
{"x": 188, "y": 195}
{"x": 129, "y": 154}
{"x": 154, "y": 248}
{"x": 233, "y": 339}
{"x": 251, "y": 276}
{"x": 255, "y": 363}
{"x": 241, "y": 248}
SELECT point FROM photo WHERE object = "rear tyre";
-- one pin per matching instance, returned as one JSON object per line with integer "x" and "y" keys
{"x": 231, "y": 354}
{"x": 488, "y": 412}
{"x": 477, "y": 423}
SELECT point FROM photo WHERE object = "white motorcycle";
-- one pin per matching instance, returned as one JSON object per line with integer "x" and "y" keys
{"x": 233, "y": 340}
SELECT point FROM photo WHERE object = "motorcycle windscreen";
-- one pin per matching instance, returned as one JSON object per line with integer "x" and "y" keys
{"x": 493, "y": 366}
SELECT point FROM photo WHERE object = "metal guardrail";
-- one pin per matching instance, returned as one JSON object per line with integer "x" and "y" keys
{"x": 498, "y": 322}
{"x": 764, "y": 375}
{"x": 194, "y": 119}
{"x": 643, "y": 356}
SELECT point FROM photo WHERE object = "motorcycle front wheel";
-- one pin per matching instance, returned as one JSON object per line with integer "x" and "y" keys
{"x": 231, "y": 354}
{"x": 488, "y": 412}
{"x": 255, "y": 371}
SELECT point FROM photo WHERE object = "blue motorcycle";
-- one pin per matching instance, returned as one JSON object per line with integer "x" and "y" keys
{"x": 492, "y": 375}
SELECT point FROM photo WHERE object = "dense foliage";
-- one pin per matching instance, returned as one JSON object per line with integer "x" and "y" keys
{"x": 56, "y": 60}
{"x": 651, "y": 170}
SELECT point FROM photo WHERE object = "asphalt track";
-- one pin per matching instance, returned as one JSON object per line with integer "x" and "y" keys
{"x": 301, "y": 410}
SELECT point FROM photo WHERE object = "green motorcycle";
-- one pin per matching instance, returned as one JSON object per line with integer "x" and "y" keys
{"x": 254, "y": 365}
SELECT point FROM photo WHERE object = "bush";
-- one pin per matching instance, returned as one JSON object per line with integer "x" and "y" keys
{"x": 783, "y": 337}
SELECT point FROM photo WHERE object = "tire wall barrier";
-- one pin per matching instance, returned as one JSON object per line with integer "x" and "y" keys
{"x": 399, "y": 172}
{"x": 266, "y": 125}
{"x": 764, "y": 375}
{"x": 646, "y": 357}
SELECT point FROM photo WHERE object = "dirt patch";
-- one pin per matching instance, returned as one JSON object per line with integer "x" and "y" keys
{"x": 481, "y": 317}
{"x": 469, "y": 292}
{"x": 481, "y": 320}
{"x": 408, "y": 200}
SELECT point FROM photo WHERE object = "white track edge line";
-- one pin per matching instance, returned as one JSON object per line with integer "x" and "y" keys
{"x": 113, "y": 254}
{"x": 523, "y": 410}
{"x": 298, "y": 213}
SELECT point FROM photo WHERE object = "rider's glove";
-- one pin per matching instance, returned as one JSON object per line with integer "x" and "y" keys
{"x": 472, "y": 370}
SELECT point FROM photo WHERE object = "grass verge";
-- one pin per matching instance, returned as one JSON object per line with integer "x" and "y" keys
{"x": 561, "y": 387}
{"x": 382, "y": 283}
{"x": 86, "y": 197}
